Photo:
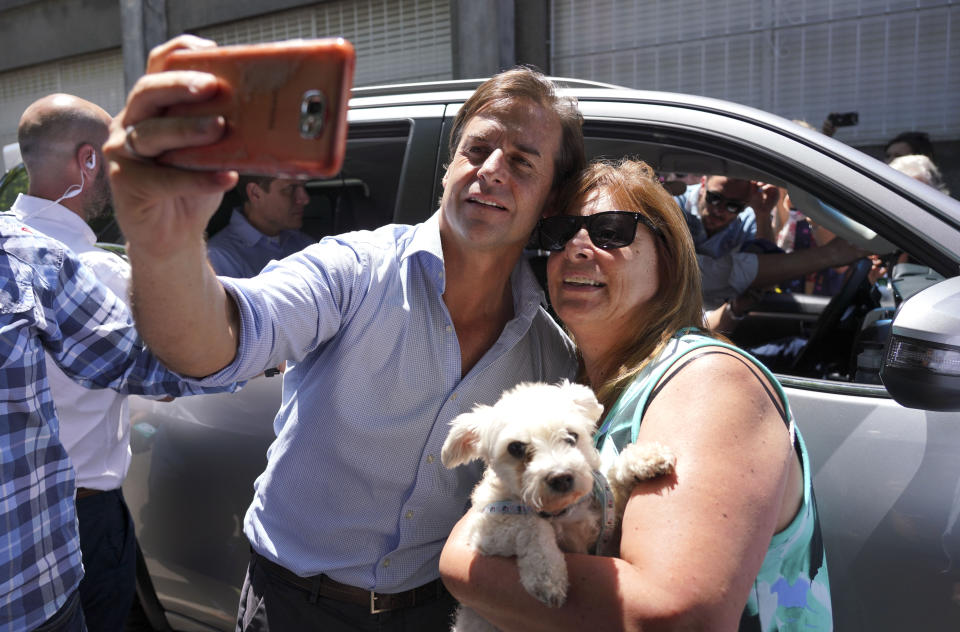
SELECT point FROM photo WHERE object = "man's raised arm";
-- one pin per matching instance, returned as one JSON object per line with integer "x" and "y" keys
{"x": 181, "y": 309}
{"x": 777, "y": 267}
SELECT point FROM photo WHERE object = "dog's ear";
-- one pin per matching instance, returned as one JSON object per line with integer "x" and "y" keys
{"x": 463, "y": 441}
{"x": 583, "y": 397}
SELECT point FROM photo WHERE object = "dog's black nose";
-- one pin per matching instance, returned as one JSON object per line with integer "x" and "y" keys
{"x": 560, "y": 483}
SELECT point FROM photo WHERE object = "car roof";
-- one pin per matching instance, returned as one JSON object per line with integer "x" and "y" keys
{"x": 455, "y": 85}
{"x": 458, "y": 91}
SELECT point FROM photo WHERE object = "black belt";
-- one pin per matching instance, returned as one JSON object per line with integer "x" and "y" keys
{"x": 323, "y": 586}
{"x": 84, "y": 492}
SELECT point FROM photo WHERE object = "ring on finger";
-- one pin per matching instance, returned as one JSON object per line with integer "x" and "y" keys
{"x": 128, "y": 145}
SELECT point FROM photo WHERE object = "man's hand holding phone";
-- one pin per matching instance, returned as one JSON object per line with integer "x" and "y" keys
{"x": 284, "y": 103}
{"x": 164, "y": 196}
{"x": 161, "y": 209}
{"x": 203, "y": 113}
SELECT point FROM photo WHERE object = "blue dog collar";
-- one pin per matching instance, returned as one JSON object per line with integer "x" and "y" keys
{"x": 601, "y": 491}
{"x": 507, "y": 507}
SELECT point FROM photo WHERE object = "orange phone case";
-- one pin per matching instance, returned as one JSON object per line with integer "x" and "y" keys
{"x": 285, "y": 104}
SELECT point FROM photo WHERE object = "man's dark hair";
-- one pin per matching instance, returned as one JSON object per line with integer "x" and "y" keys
{"x": 261, "y": 181}
{"x": 919, "y": 143}
{"x": 528, "y": 83}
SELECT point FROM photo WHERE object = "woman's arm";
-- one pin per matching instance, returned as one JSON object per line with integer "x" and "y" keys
{"x": 692, "y": 543}
{"x": 706, "y": 537}
{"x": 491, "y": 586}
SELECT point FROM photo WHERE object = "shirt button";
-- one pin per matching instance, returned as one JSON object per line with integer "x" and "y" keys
{"x": 453, "y": 397}
{"x": 386, "y": 562}
{"x": 449, "y": 328}
{"x": 429, "y": 458}
{"x": 408, "y": 515}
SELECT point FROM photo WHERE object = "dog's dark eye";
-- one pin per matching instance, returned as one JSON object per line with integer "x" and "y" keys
{"x": 572, "y": 438}
{"x": 517, "y": 449}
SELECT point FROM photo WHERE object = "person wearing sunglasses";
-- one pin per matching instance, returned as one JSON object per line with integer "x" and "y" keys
{"x": 732, "y": 226}
{"x": 725, "y": 215}
{"x": 711, "y": 545}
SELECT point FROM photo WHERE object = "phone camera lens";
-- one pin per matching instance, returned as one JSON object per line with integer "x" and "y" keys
{"x": 313, "y": 107}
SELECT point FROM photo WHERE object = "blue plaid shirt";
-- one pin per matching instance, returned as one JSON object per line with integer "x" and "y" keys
{"x": 50, "y": 302}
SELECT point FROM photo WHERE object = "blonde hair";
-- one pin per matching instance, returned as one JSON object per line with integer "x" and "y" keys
{"x": 632, "y": 186}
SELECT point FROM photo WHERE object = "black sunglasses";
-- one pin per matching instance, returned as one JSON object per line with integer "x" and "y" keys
{"x": 607, "y": 230}
{"x": 734, "y": 207}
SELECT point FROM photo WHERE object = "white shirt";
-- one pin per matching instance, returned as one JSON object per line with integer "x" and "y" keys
{"x": 94, "y": 424}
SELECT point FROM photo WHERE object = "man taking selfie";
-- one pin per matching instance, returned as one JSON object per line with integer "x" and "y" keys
{"x": 349, "y": 517}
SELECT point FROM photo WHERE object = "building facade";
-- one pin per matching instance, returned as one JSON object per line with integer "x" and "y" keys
{"x": 894, "y": 62}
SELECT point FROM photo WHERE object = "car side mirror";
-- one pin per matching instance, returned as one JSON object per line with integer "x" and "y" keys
{"x": 921, "y": 364}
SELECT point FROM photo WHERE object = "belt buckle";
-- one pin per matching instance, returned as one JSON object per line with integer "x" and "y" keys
{"x": 374, "y": 609}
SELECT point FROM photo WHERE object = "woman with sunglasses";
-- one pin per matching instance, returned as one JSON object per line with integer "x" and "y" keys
{"x": 732, "y": 537}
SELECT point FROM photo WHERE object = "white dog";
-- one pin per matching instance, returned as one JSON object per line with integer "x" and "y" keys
{"x": 541, "y": 493}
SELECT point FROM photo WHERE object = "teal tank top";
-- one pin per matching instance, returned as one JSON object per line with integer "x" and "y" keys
{"x": 792, "y": 589}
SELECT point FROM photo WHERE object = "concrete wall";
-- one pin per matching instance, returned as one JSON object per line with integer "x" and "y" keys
{"x": 44, "y": 30}
{"x": 513, "y": 32}
{"x": 38, "y": 31}
{"x": 187, "y": 15}
{"x": 493, "y": 35}
{"x": 532, "y": 33}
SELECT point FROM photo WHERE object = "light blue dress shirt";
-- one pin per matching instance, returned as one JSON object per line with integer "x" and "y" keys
{"x": 240, "y": 250}
{"x": 726, "y": 272}
{"x": 354, "y": 487}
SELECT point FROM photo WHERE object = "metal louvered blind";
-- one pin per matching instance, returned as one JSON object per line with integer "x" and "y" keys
{"x": 896, "y": 62}
{"x": 396, "y": 41}
{"x": 97, "y": 77}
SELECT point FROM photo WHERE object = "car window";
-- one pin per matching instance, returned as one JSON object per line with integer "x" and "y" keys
{"x": 362, "y": 196}
{"x": 13, "y": 183}
{"x": 831, "y": 325}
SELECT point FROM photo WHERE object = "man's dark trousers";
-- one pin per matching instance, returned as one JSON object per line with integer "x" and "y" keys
{"x": 69, "y": 618}
{"x": 108, "y": 546}
{"x": 271, "y": 602}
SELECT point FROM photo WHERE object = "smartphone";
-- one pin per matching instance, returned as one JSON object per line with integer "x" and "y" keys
{"x": 843, "y": 119}
{"x": 285, "y": 105}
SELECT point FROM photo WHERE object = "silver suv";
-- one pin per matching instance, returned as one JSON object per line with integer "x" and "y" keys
{"x": 887, "y": 474}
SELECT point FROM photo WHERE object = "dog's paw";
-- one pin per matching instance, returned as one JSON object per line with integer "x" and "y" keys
{"x": 548, "y": 585}
{"x": 643, "y": 461}
{"x": 551, "y": 593}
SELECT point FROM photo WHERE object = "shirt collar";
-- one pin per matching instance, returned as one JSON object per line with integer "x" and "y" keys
{"x": 246, "y": 231}
{"x": 426, "y": 239}
{"x": 55, "y": 220}
{"x": 526, "y": 287}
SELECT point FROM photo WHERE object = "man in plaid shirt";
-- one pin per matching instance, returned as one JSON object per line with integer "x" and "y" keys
{"x": 50, "y": 302}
